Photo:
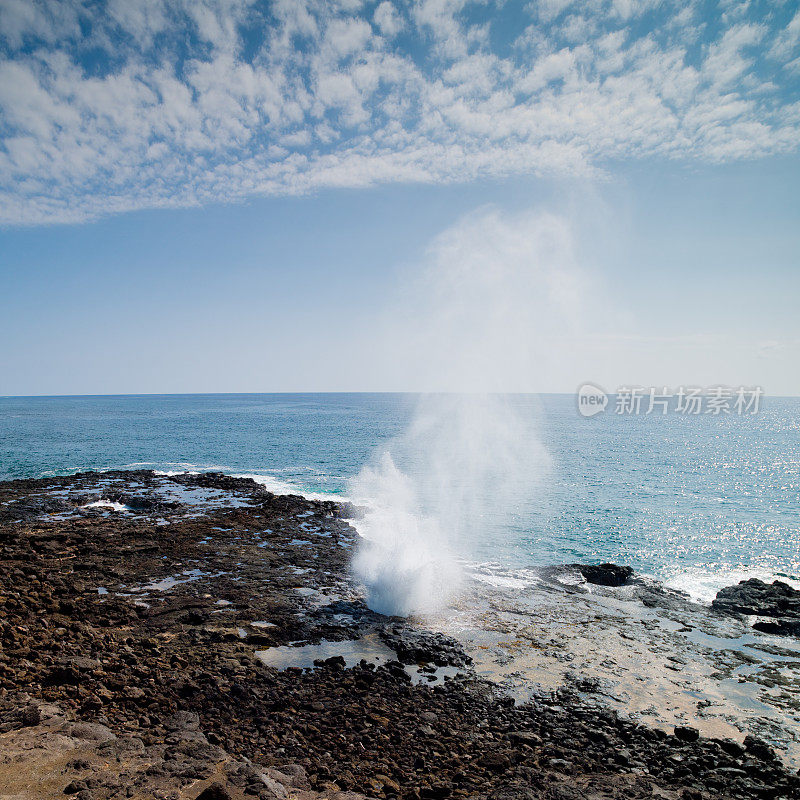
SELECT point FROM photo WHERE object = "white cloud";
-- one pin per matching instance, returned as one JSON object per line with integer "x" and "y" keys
{"x": 787, "y": 43}
{"x": 143, "y": 20}
{"x": 553, "y": 67}
{"x": 348, "y": 36}
{"x": 725, "y": 62}
{"x": 218, "y": 100}
{"x": 21, "y": 20}
{"x": 388, "y": 20}
{"x": 548, "y": 10}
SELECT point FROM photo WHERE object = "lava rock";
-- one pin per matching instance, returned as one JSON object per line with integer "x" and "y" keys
{"x": 415, "y": 646}
{"x": 777, "y": 600}
{"x": 758, "y": 749}
{"x": 606, "y": 574}
{"x": 30, "y": 716}
{"x": 495, "y": 762}
{"x": 686, "y": 733}
{"x": 216, "y": 791}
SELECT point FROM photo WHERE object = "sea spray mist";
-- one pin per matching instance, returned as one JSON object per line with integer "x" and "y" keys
{"x": 434, "y": 494}
{"x": 491, "y": 308}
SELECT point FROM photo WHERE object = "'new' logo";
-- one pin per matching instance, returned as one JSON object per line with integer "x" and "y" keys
{"x": 591, "y": 400}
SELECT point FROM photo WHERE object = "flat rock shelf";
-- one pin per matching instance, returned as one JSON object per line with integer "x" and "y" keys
{"x": 196, "y": 636}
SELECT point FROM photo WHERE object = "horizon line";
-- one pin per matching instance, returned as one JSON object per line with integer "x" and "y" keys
{"x": 336, "y": 392}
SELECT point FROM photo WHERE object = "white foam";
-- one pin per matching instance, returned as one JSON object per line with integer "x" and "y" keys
{"x": 702, "y": 585}
{"x": 182, "y": 467}
{"x": 403, "y": 558}
{"x": 505, "y": 581}
{"x": 278, "y": 486}
{"x": 171, "y": 472}
{"x": 500, "y": 577}
{"x": 268, "y": 480}
{"x": 501, "y": 581}
{"x": 113, "y": 505}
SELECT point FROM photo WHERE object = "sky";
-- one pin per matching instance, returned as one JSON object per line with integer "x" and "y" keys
{"x": 225, "y": 195}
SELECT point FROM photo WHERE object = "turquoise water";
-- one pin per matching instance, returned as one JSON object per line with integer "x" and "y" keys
{"x": 697, "y": 501}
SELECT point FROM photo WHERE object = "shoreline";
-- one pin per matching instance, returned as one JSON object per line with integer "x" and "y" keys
{"x": 642, "y": 649}
{"x": 679, "y": 580}
{"x": 202, "y": 573}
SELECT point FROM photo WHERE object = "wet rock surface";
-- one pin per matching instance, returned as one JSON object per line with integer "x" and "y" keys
{"x": 422, "y": 647}
{"x": 776, "y": 603}
{"x": 605, "y": 574}
{"x": 128, "y": 668}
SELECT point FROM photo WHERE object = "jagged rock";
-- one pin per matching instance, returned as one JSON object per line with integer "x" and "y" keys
{"x": 495, "y": 762}
{"x": 686, "y": 733}
{"x": 30, "y": 716}
{"x": 91, "y": 731}
{"x": 334, "y": 662}
{"x": 758, "y": 749}
{"x": 605, "y": 574}
{"x": 777, "y": 601}
{"x": 215, "y": 791}
{"x": 414, "y": 646}
{"x": 151, "y": 678}
{"x": 292, "y": 775}
{"x": 183, "y": 720}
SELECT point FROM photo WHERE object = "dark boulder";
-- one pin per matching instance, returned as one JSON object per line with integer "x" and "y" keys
{"x": 778, "y": 627}
{"x": 334, "y": 662}
{"x": 605, "y": 574}
{"x": 758, "y": 749}
{"x": 495, "y": 762}
{"x": 414, "y": 646}
{"x": 215, "y": 791}
{"x": 777, "y": 601}
{"x": 686, "y": 733}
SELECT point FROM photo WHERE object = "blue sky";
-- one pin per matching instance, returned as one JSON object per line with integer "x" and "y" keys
{"x": 239, "y": 196}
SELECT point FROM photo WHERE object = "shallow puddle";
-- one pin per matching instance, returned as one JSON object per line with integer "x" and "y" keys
{"x": 368, "y": 648}
{"x": 165, "y": 584}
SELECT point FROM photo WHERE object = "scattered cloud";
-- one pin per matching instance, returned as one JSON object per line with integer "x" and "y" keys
{"x": 387, "y": 19}
{"x": 116, "y": 106}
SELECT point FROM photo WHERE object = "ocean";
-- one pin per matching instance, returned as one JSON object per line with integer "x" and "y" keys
{"x": 697, "y": 502}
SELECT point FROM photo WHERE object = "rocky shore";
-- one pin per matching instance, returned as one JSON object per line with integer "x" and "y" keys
{"x": 197, "y": 636}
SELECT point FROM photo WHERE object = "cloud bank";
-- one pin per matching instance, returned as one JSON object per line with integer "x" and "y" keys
{"x": 134, "y": 104}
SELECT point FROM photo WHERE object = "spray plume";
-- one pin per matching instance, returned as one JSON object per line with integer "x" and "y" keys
{"x": 494, "y": 295}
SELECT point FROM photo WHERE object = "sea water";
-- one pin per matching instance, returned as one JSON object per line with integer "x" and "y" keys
{"x": 698, "y": 501}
